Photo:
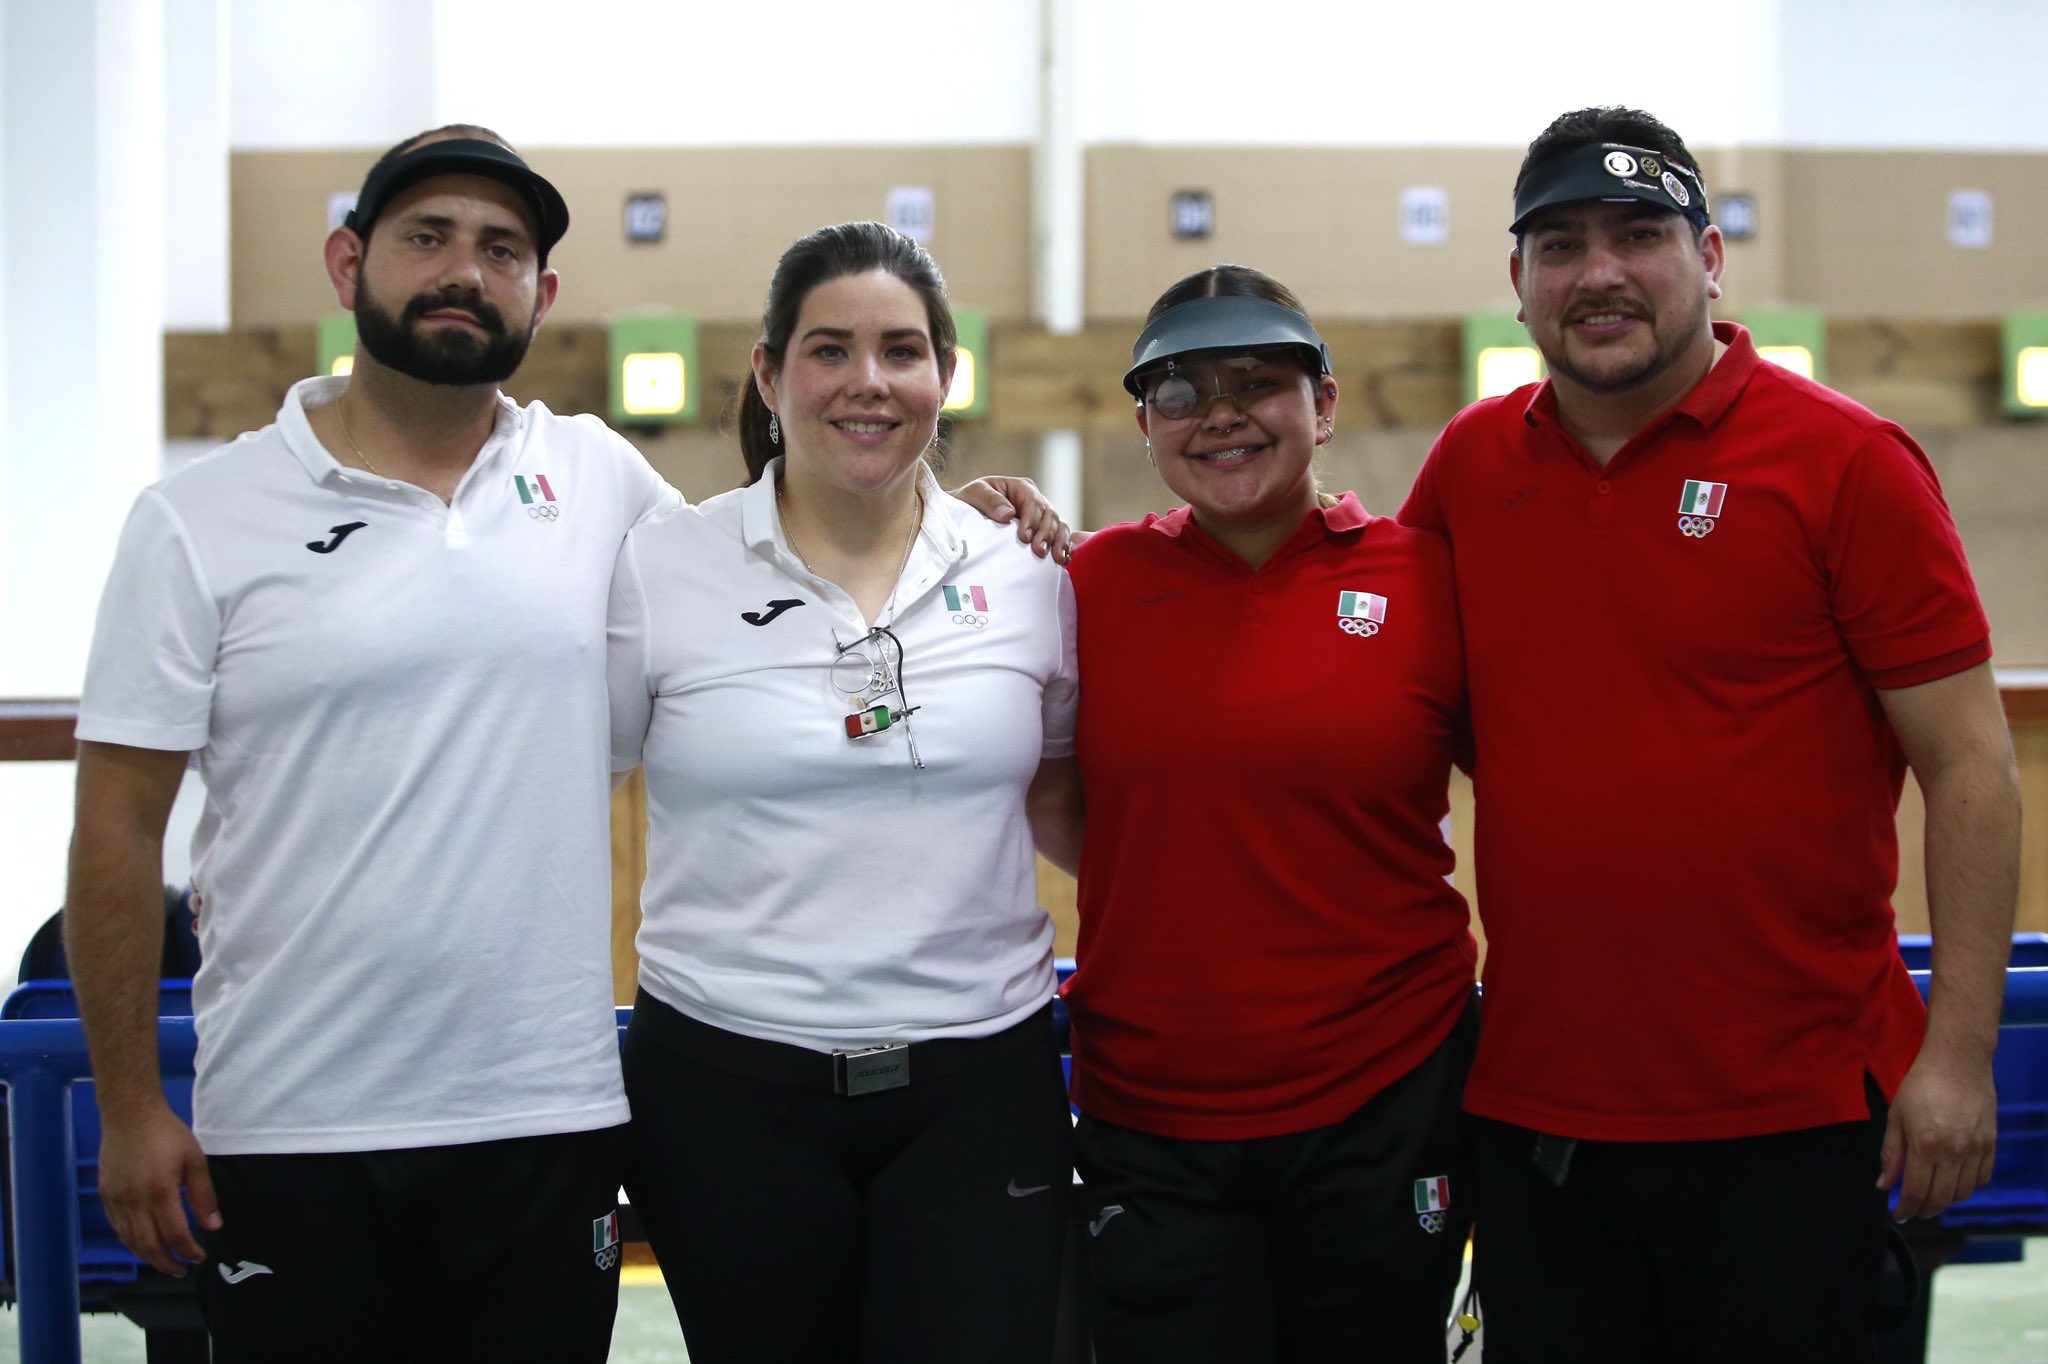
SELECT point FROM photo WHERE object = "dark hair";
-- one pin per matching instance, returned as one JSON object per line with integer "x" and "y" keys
{"x": 1606, "y": 123}
{"x": 1226, "y": 281}
{"x": 825, "y": 255}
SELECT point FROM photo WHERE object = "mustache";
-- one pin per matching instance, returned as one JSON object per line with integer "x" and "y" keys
{"x": 486, "y": 315}
{"x": 1625, "y": 306}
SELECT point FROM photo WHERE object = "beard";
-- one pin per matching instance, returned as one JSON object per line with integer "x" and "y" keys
{"x": 1673, "y": 338}
{"x": 442, "y": 355}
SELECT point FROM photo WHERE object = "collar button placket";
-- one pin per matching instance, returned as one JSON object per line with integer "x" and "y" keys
{"x": 1601, "y": 497}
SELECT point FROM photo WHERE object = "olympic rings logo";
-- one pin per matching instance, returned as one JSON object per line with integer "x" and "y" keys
{"x": 977, "y": 619}
{"x": 606, "y": 1258}
{"x": 1431, "y": 1222}
{"x": 1696, "y": 526}
{"x": 547, "y": 511}
{"x": 1353, "y": 625}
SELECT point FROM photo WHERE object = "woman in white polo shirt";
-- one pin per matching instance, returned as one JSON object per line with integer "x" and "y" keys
{"x": 850, "y": 1139}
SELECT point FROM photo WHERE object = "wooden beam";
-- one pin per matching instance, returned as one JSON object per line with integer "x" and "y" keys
{"x": 1398, "y": 373}
{"x": 37, "y": 730}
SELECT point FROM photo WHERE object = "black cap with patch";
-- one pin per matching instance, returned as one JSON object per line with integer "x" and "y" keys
{"x": 462, "y": 156}
{"x": 1612, "y": 172}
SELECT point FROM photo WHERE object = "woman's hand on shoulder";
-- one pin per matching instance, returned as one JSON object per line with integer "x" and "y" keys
{"x": 1005, "y": 498}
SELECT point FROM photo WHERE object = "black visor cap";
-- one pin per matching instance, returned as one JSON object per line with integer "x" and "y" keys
{"x": 463, "y": 156}
{"x": 1210, "y": 326}
{"x": 1612, "y": 172}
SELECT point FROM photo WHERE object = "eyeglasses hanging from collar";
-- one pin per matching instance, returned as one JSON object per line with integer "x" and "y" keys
{"x": 864, "y": 672}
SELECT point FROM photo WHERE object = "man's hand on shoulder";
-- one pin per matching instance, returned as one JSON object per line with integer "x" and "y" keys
{"x": 145, "y": 1160}
{"x": 1940, "y": 1134}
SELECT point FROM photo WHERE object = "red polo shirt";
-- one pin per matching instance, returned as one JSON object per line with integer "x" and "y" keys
{"x": 1686, "y": 786}
{"x": 1267, "y": 937}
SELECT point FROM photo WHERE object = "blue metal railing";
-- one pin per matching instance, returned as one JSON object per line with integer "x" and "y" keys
{"x": 40, "y": 1059}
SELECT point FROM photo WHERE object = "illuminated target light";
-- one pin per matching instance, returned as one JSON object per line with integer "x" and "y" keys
{"x": 1503, "y": 369}
{"x": 335, "y": 337}
{"x": 653, "y": 384}
{"x": 2031, "y": 376}
{"x": 961, "y": 394}
{"x": 968, "y": 394}
{"x": 2025, "y": 352}
{"x": 1498, "y": 356}
{"x": 1798, "y": 359}
{"x": 654, "y": 368}
{"x": 1791, "y": 338}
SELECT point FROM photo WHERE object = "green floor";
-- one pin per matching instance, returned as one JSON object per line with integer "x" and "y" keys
{"x": 1983, "y": 1314}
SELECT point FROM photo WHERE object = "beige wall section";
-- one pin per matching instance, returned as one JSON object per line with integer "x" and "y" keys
{"x": 1996, "y": 481}
{"x": 629, "y": 869}
{"x": 731, "y": 213}
{"x": 1324, "y": 220}
{"x": 277, "y": 215}
{"x": 1866, "y": 233}
{"x": 1857, "y": 234}
{"x": 2030, "y": 743}
{"x": 1755, "y": 274}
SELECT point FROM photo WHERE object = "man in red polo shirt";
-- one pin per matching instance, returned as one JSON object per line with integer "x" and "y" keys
{"x": 1712, "y": 612}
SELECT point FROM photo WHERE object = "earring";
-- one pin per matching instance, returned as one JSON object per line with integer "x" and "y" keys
{"x": 1148, "y": 455}
{"x": 774, "y": 429}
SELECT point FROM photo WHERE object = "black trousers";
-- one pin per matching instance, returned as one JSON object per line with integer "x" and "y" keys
{"x": 1755, "y": 1248}
{"x": 1340, "y": 1243}
{"x": 488, "y": 1250}
{"x": 921, "y": 1223}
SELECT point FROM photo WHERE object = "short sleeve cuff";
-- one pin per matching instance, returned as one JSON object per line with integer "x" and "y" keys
{"x": 1933, "y": 669}
{"x": 141, "y": 734}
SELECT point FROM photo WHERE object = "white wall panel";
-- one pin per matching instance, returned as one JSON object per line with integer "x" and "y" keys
{"x": 1849, "y": 73}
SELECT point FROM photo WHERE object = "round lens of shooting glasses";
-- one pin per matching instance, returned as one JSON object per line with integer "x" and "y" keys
{"x": 857, "y": 671}
{"x": 1173, "y": 397}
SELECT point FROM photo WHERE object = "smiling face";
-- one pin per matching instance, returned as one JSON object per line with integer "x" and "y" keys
{"x": 860, "y": 386}
{"x": 448, "y": 289}
{"x": 1243, "y": 458}
{"x": 1615, "y": 295}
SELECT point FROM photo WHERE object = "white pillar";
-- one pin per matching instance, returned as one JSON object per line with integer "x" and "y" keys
{"x": 1058, "y": 226}
{"x": 82, "y": 232}
{"x": 195, "y": 143}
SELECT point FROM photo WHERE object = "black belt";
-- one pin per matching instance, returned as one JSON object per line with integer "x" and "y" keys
{"x": 865, "y": 1070}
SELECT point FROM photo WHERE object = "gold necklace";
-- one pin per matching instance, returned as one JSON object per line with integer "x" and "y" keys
{"x": 782, "y": 510}
{"x": 341, "y": 415}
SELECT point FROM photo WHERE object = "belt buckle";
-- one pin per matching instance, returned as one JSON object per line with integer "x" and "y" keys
{"x": 871, "y": 1069}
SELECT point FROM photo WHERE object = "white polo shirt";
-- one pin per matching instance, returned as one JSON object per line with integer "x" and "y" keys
{"x": 809, "y": 888}
{"x": 403, "y": 867}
